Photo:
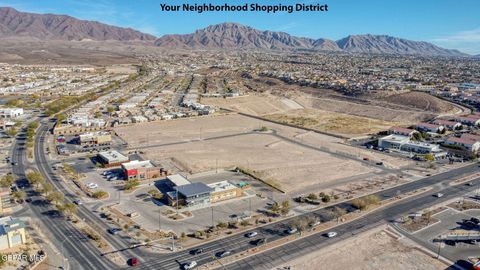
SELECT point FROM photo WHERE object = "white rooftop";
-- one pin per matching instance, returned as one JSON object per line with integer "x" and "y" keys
{"x": 178, "y": 180}
{"x": 134, "y": 164}
{"x": 221, "y": 186}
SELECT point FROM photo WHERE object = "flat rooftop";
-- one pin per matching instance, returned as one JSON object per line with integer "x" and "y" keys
{"x": 135, "y": 164}
{"x": 113, "y": 156}
{"x": 178, "y": 180}
{"x": 194, "y": 189}
{"x": 222, "y": 186}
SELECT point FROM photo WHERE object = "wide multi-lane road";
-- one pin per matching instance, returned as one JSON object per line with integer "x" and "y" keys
{"x": 66, "y": 238}
{"x": 275, "y": 231}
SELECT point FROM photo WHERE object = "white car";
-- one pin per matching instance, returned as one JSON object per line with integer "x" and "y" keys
{"x": 439, "y": 195}
{"x": 331, "y": 234}
{"x": 316, "y": 223}
{"x": 251, "y": 234}
{"x": 190, "y": 265}
{"x": 92, "y": 185}
{"x": 292, "y": 230}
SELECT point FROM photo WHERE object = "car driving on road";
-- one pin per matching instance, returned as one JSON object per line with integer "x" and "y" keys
{"x": 190, "y": 265}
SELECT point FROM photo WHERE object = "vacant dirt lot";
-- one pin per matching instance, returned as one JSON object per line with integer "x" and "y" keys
{"x": 338, "y": 123}
{"x": 255, "y": 104}
{"x": 291, "y": 166}
{"x": 228, "y": 141}
{"x": 371, "y": 250}
{"x": 421, "y": 101}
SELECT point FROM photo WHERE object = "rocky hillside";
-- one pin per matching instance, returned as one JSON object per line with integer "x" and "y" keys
{"x": 61, "y": 27}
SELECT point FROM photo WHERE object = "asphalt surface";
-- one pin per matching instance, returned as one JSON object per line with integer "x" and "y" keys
{"x": 275, "y": 231}
{"x": 77, "y": 248}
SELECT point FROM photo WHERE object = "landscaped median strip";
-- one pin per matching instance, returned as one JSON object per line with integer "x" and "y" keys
{"x": 318, "y": 229}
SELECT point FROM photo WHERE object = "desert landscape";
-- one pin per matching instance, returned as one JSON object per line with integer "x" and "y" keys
{"x": 371, "y": 250}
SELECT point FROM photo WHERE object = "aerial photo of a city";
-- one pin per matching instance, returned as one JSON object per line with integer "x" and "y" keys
{"x": 240, "y": 135}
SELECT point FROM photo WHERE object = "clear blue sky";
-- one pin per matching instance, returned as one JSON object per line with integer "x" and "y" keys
{"x": 447, "y": 23}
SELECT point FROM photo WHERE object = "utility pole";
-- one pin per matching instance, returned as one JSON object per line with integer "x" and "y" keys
{"x": 159, "y": 220}
{"x": 250, "y": 205}
{"x": 176, "y": 195}
{"x": 213, "y": 225}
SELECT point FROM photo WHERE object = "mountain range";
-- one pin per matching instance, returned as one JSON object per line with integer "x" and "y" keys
{"x": 61, "y": 27}
{"x": 220, "y": 36}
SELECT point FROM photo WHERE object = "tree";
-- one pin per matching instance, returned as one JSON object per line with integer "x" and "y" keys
{"x": 12, "y": 132}
{"x": 55, "y": 197}
{"x": 35, "y": 178}
{"x": 338, "y": 212}
{"x": 131, "y": 184}
{"x": 19, "y": 195}
{"x": 428, "y": 216}
{"x": 69, "y": 209}
{"x": 285, "y": 207}
{"x": 46, "y": 188}
{"x": 312, "y": 196}
{"x": 275, "y": 207}
{"x": 61, "y": 117}
{"x": 326, "y": 198}
{"x": 7, "y": 180}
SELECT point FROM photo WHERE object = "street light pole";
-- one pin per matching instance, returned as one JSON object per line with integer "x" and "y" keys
{"x": 63, "y": 251}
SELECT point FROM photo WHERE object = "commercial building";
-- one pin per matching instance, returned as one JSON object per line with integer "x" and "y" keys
{"x": 194, "y": 195}
{"x": 92, "y": 138}
{"x": 10, "y": 112}
{"x": 224, "y": 190}
{"x": 12, "y": 232}
{"x": 403, "y": 143}
{"x": 111, "y": 158}
{"x": 140, "y": 170}
{"x": 177, "y": 180}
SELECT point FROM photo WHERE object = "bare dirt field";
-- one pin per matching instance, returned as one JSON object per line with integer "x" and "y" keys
{"x": 364, "y": 110}
{"x": 289, "y": 111}
{"x": 421, "y": 101}
{"x": 258, "y": 104}
{"x": 371, "y": 250}
{"x": 229, "y": 140}
{"x": 337, "y": 123}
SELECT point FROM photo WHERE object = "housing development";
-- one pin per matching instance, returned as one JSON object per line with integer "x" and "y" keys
{"x": 132, "y": 152}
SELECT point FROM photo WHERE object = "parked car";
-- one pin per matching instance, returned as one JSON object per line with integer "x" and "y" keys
{"x": 190, "y": 265}
{"x": 251, "y": 234}
{"x": 133, "y": 261}
{"x": 92, "y": 185}
{"x": 331, "y": 234}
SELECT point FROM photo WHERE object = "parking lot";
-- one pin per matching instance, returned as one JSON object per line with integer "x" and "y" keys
{"x": 451, "y": 221}
{"x": 152, "y": 213}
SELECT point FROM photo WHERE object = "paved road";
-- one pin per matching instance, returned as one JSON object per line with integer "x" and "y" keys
{"x": 81, "y": 254}
{"x": 118, "y": 243}
{"x": 266, "y": 260}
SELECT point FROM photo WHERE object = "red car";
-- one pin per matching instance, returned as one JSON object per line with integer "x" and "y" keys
{"x": 133, "y": 262}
